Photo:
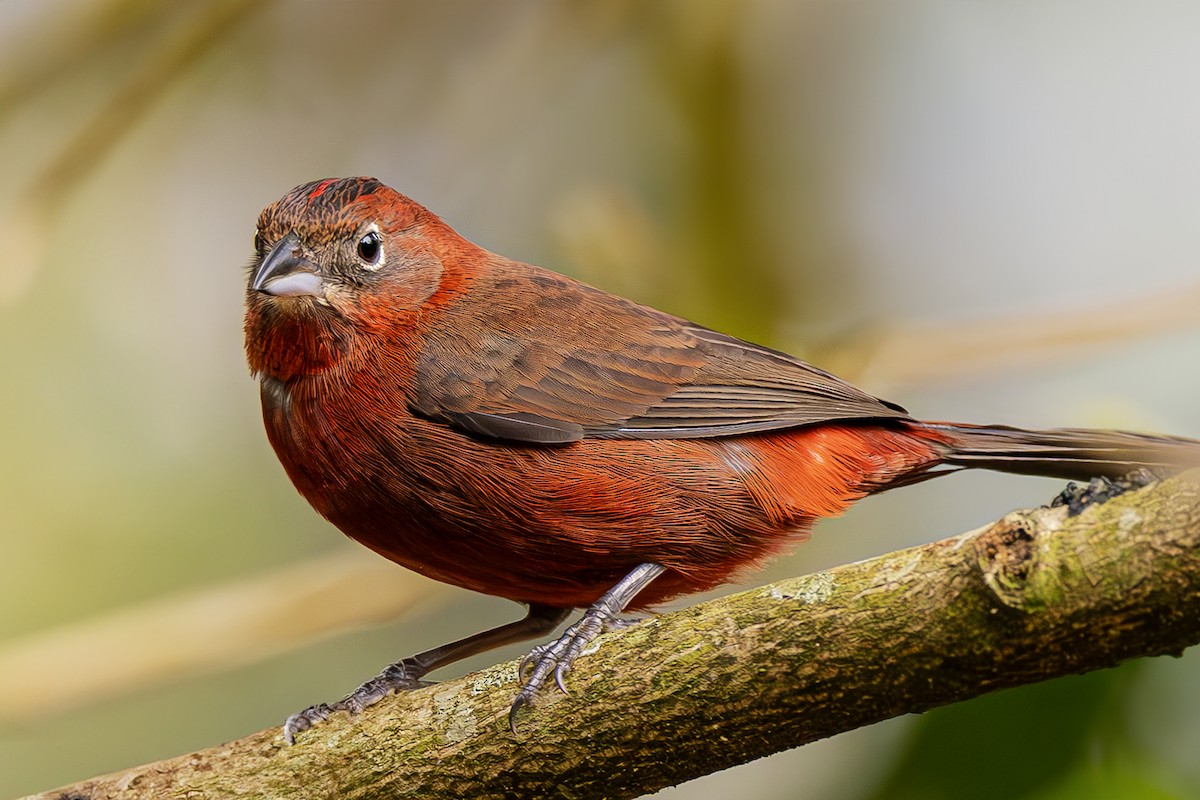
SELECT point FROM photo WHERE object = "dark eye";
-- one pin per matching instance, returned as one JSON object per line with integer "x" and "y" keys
{"x": 370, "y": 247}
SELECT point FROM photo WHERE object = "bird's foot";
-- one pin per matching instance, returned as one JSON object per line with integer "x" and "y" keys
{"x": 1099, "y": 490}
{"x": 399, "y": 677}
{"x": 557, "y": 657}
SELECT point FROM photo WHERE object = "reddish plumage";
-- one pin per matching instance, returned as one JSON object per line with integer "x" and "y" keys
{"x": 500, "y": 427}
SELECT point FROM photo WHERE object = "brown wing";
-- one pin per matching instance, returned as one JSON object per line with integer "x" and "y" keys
{"x": 549, "y": 360}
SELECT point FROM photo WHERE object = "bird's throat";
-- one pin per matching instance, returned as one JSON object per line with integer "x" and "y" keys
{"x": 283, "y": 343}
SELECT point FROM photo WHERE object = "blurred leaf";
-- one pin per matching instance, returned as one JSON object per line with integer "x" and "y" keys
{"x": 1109, "y": 782}
{"x": 1007, "y": 745}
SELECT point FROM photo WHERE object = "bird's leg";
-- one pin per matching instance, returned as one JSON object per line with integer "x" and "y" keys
{"x": 557, "y": 656}
{"x": 406, "y": 675}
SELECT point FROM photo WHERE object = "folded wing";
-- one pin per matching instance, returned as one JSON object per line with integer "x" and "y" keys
{"x": 551, "y": 361}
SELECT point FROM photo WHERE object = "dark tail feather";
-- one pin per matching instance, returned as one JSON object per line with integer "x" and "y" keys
{"x": 1070, "y": 453}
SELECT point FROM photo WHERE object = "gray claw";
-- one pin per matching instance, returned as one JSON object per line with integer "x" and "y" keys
{"x": 560, "y": 675}
{"x": 304, "y": 720}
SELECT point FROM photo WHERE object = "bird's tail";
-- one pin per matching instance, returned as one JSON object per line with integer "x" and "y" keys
{"x": 1070, "y": 453}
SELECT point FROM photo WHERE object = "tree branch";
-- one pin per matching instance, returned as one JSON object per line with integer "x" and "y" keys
{"x": 1031, "y": 597}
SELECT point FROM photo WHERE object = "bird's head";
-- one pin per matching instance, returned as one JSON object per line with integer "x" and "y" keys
{"x": 340, "y": 257}
{"x": 332, "y": 242}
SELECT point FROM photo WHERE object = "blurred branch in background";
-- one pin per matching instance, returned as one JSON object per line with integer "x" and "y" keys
{"x": 911, "y": 354}
{"x": 178, "y": 637}
{"x": 1034, "y": 596}
{"x": 66, "y": 42}
{"x": 193, "y": 30}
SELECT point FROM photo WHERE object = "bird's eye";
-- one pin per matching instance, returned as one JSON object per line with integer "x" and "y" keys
{"x": 370, "y": 248}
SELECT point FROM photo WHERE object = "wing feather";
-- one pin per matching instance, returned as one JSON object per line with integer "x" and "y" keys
{"x": 513, "y": 369}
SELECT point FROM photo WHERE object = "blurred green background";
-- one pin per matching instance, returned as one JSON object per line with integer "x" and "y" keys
{"x": 984, "y": 211}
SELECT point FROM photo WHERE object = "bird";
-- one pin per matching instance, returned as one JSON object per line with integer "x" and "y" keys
{"x": 504, "y": 428}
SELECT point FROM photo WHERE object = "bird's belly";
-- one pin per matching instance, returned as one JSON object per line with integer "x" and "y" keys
{"x": 556, "y": 526}
{"x": 560, "y": 525}
{"x": 552, "y": 525}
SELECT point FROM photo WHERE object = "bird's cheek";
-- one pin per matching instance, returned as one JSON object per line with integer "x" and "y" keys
{"x": 417, "y": 277}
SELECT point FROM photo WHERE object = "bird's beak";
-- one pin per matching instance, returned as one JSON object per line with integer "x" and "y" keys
{"x": 284, "y": 272}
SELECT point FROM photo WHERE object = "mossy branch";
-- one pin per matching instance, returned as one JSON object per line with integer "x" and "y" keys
{"x": 1033, "y": 596}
